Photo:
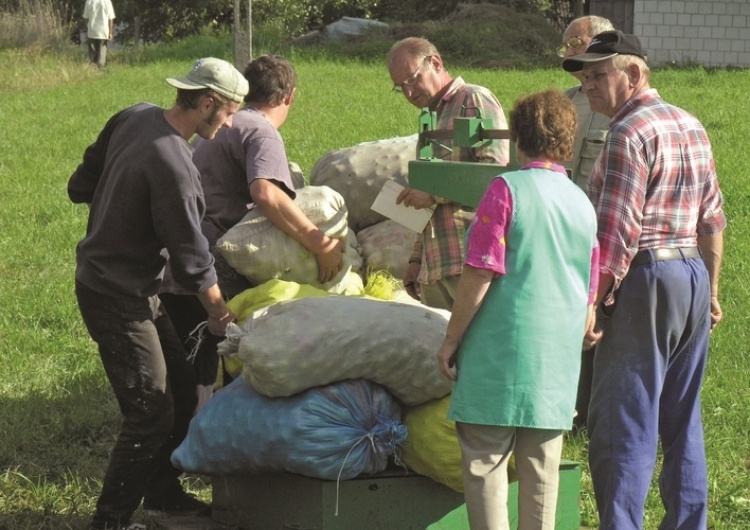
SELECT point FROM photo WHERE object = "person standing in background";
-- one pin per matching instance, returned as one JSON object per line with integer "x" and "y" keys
{"x": 99, "y": 16}
{"x": 590, "y": 134}
{"x": 417, "y": 71}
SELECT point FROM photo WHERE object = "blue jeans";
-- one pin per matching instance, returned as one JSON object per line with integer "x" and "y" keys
{"x": 155, "y": 386}
{"x": 648, "y": 371}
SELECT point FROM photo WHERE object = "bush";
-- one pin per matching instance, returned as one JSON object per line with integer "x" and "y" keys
{"x": 476, "y": 35}
{"x": 42, "y": 25}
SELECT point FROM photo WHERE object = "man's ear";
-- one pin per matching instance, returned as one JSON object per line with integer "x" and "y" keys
{"x": 290, "y": 98}
{"x": 206, "y": 103}
{"x": 436, "y": 62}
{"x": 635, "y": 74}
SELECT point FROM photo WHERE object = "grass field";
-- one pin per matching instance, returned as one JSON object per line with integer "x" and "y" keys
{"x": 57, "y": 414}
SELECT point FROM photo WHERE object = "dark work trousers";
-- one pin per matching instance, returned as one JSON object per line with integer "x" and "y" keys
{"x": 98, "y": 51}
{"x": 155, "y": 386}
{"x": 648, "y": 371}
{"x": 186, "y": 313}
{"x": 584, "y": 390}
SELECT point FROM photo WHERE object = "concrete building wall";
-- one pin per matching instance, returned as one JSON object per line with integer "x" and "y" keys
{"x": 706, "y": 32}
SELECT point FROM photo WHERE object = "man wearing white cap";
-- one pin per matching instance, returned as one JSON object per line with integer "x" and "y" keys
{"x": 660, "y": 225}
{"x": 146, "y": 203}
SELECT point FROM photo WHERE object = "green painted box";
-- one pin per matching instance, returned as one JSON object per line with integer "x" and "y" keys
{"x": 392, "y": 500}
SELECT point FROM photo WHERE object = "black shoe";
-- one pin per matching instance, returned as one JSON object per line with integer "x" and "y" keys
{"x": 178, "y": 502}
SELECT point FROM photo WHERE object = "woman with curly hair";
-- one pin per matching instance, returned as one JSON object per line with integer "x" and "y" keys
{"x": 513, "y": 343}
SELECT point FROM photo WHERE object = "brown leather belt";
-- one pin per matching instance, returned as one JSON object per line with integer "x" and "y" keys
{"x": 651, "y": 255}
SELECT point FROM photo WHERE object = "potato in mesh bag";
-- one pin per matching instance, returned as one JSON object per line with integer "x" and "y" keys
{"x": 432, "y": 448}
{"x": 349, "y": 428}
{"x": 386, "y": 246}
{"x": 359, "y": 172}
{"x": 299, "y": 344}
{"x": 260, "y": 251}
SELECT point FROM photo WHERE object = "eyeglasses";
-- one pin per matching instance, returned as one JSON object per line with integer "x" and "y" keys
{"x": 412, "y": 79}
{"x": 573, "y": 43}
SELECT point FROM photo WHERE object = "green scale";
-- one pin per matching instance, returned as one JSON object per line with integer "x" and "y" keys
{"x": 461, "y": 182}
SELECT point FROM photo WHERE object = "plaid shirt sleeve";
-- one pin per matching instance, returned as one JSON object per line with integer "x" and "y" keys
{"x": 619, "y": 200}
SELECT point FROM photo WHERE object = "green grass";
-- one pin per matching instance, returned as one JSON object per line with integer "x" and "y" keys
{"x": 58, "y": 416}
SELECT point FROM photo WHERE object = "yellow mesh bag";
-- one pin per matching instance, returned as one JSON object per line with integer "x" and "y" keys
{"x": 432, "y": 448}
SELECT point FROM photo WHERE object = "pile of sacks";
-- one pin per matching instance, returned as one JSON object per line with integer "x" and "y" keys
{"x": 329, "y": 387}
{"x": 331, "y": 383}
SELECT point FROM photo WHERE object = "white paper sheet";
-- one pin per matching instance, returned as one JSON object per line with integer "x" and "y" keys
{"x": 385, "y": 204}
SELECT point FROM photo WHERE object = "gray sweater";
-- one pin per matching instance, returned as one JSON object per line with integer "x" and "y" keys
{"x": 146, "y": 205}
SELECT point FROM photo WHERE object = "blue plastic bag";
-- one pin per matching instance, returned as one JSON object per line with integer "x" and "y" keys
{"x": 332, "y": 432}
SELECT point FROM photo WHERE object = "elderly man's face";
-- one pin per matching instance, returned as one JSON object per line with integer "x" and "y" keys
{"x": 607, "y": 88}
{"x": 416, "y": 77}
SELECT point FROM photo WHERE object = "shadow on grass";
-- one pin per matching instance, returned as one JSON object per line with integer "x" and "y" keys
{"x": 54, "y": 448}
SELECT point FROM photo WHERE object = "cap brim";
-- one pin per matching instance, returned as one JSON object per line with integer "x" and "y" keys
{"x": 184, "y": 83}
{"x": 575, "y": 64}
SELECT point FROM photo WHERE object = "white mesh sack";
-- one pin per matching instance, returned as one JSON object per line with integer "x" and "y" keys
{"x": 260, "y": 251}
{"x": 359, "y": 172}
{"x": 298, "y": 344}
{"x": 386, "y": 246}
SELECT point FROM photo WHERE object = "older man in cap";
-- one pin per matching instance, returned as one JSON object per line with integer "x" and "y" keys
{"x": 146, "y": 202}
{"x": 661, "y": 221}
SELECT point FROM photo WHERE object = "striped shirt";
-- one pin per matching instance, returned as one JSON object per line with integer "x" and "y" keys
{"x": 441, "y": 246}
{"x": 655, "y": 184}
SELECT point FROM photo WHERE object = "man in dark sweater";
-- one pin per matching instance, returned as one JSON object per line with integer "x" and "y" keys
{"x": 146, "y": 204}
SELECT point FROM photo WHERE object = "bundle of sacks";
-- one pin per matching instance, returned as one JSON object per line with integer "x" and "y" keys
{"x": 359, "y": 172}
{"x": 337, "y": 431}
{"x": 366, "y": 366}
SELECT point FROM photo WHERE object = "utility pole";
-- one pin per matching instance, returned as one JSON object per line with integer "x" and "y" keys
{"x": 578, "y": 8}
{"x": 243, "y": 33}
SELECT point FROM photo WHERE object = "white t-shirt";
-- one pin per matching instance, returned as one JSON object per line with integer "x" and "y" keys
{"x": 98, "y": 13}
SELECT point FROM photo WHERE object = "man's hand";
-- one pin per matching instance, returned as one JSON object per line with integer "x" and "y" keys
{"x": 410, "y": 280}
{"x": 330, "y": 262}
{"x": 591, "y": 336}
{"x": 217, "y": 323}
{"x": 415, "y": 198}
{"x": 716, "y": 312}
{"x": 219, "y": 315}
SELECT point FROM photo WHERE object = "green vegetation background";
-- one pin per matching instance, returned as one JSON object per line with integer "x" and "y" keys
{"x": 58, "y": 418}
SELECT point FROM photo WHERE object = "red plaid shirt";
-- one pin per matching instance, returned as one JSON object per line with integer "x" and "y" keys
{"x": 440, "y": 247}
{"x": 655, "y": 184}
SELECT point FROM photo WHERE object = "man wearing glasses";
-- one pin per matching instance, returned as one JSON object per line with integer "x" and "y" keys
{"x": 417, "y": 71}
{"x": 590, "y": 134}
{"x": 592, "y": 126}
{"x": 660, "y": 216}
